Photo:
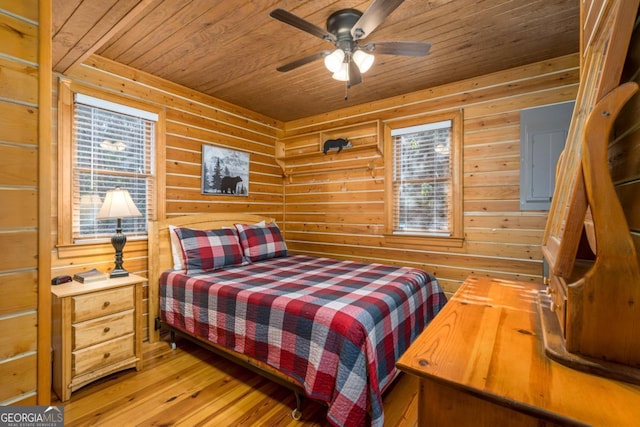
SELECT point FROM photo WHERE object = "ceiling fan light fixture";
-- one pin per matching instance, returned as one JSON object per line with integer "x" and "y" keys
{"x": 343, "y": 73}
{"x": 334, "y": 60}
{"x": 363, "y": 60}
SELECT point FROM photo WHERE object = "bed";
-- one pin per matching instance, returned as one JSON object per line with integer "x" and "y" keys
{"x": 329, "y": 329}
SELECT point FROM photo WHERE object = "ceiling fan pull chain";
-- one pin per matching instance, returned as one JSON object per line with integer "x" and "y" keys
{"x": 346, "y": 91}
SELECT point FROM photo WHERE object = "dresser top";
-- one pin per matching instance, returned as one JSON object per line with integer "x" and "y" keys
{"x": 488, "y": 340}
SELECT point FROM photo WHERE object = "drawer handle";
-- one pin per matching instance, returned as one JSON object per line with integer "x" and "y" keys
{"x": 106, "y": 304}
{"x": 106, "y": 355}
{"x": 107, "y": 329}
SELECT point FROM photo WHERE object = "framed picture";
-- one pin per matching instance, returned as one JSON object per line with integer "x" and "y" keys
{"x": 224, "y": 171}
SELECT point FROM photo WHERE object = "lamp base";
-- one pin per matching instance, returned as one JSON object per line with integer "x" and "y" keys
{"x": 118, "y": 272}
{"x": 118, "y": 241}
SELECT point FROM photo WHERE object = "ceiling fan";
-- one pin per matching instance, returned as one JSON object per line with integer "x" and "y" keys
{"x": 345, "y": 28}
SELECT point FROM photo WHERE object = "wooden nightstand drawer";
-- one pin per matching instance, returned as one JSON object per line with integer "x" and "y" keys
{"x": 102, "y": 329}
{"x": 103, "y": 354}
{"x": 99, "y": 304}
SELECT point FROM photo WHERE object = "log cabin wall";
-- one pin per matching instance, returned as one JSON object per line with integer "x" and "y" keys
{"x": 25, "y": 67}
{"x": 335, "y": 202}
{"x": 192, "y": 119}
{"x": 624, "y": 149}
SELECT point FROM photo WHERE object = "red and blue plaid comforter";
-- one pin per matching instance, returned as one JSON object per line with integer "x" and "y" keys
{"x": 336, "y": 327}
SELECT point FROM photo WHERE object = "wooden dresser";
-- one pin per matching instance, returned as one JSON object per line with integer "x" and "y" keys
{"x": 482, "y": 362}
{"x": 97, "y": 330}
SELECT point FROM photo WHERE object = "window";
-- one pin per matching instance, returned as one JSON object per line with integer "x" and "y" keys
{"x": 104, "y": 143}
{"x": 112, "y": 148}
{"x": 424, "y": 198}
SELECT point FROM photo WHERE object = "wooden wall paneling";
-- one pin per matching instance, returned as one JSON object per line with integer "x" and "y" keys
{"x": 19, "y": 207}
{"x": 18, "y": 123}
{"x": 23, "y": 311}
{"x": 503, "y": 192}
{"x": 20, "y": 374}
{"x": 19, "y": 334}
{"x": 505, "y": 148}
{"x": 26, "y": 8}
{"x": 23, "y": 245}
{"x": 19, "y": 81}
{"x": 450, "y": 266}
{"x": 519, "y": 102}
{"x": 19, "y": 165}
{"x": 23, "y": 288}
{"x": 20, "y": 38}
{"x": 338, "y": 213}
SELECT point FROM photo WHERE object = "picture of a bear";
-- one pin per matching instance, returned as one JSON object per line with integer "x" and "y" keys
{"x": 229, "y": 184}
{"x": 224, "y": 171}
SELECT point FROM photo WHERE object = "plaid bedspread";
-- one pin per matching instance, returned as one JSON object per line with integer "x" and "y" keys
{"x": 336, "y": 327}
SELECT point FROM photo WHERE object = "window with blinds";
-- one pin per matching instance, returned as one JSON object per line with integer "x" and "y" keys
{"x": 113, "y": 147}
{"x": 422, "y": 179}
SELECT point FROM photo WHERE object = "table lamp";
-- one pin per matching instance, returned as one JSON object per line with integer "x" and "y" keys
{"x": 118, "y": 204}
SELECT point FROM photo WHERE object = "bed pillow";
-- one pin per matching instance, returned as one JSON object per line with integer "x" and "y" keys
{"x": 261, "y": 242}
{"x": 176, "y": 249}
{"x": 207, "y": 250}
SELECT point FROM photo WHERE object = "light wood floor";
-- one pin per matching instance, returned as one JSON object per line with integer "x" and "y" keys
{"x": 191, "y": 386}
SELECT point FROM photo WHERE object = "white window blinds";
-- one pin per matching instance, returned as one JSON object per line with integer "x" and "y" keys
{"x": 113, "y": 147}
{"x": 422, "y": 179}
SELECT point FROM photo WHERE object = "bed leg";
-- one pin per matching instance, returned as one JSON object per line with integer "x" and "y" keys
{"x": 172, "y": 339}
{"x": 296, "y": 414}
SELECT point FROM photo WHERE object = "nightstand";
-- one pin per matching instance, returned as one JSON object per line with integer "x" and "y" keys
{"x": 97, "y": 330}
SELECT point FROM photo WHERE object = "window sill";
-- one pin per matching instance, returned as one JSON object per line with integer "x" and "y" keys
{"x": 99, "y": 247}
{"x": 419, "y": 242}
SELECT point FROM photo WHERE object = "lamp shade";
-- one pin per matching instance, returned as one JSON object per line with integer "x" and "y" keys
{"x": 334, "y": 60}
{"x": 363, "y": 60}
{"x": 118, "y": 204}
{"x": 343, "y": 73}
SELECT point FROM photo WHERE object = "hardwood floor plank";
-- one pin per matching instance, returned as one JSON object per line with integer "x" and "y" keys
{"x": 215, "y": 397}
{"x": 191, "y": 386}
{"x": 123, "y": 389}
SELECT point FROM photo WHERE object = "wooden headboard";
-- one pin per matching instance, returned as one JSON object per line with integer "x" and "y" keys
{"x": 160, "y": 258}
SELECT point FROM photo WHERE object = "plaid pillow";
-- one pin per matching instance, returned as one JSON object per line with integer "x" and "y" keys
{"x": 176, "y": 249}
{"x": 261, "y": 242}
{"x": 206, "y": 250}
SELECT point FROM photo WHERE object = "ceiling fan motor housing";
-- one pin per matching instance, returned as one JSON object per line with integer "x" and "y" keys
{"x": 340, "y": 24}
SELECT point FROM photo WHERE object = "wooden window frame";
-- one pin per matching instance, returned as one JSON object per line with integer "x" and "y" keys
{"x": 456, "y": 239}
{"x": 66, "y": 90}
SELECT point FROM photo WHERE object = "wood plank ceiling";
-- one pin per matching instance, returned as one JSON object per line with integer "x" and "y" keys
{"x": 230, "y": 49}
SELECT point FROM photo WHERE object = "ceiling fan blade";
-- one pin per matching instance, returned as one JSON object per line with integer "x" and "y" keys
{"x": 303, "y": 61}
{"x": 398, "y": 48}
{"x": 301, "y": 24}
{"x": 373, "y": 16}
{"x": 355, "y": 76}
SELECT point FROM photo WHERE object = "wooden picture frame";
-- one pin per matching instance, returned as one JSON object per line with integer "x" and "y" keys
{"x": 224, "y": 171}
